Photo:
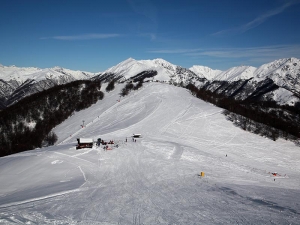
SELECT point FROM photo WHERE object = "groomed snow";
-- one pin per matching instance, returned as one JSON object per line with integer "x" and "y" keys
{"x": 155, "y": 179}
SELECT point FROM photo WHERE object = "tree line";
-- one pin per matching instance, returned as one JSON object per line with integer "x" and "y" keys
{"x": 130, "y": 86}
{"x": 265, "y": 118}
{"x": 28, "y": 123}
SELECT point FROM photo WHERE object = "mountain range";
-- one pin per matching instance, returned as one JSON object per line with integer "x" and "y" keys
{"x": 19, "y": 82}
{"x": 277, "y": 81}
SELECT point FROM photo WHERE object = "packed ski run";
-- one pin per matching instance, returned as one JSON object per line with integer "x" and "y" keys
{"x": 190, "y": 166}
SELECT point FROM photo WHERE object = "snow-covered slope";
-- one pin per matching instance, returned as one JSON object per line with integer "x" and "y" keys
{"x": 155, "y": 179}
{"x": 236, "y": 73}
{"x": 205, "y": 71}
{"x": 284, "y": 72}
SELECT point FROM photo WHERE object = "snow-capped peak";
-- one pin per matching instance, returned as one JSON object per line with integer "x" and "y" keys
{"x": 164, "y": 63}
{"x": 58, "y": 68}
{"x": 21, "y": 74}
{"x": 131, "y": 67}
{"x": 277, "y": 70}
{"x": 127, "y": 68}
{"x": 284, "y": 72}
{"x": 8, "y": 73}
{"x": 280, "y": 67}
{"x": 205, "y": 71}
{"x": 165, "y": 70}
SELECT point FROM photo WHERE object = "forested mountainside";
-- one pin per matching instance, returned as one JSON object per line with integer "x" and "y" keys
{"x": 266, "y": 118}
{"x": 28, "y": 123}
{"x": 18, "y": 82}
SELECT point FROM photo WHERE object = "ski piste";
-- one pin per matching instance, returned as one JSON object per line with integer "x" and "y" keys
{"x": 154, "y": 180}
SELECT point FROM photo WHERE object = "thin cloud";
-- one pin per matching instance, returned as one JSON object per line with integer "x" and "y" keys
{"x": 83, "y": 37}
{"x": 274, "y": 50}
{"x": 174, "y": 51}
{"x": 254, "y": 55}
{"x": 256, "y": 22}
{"x": 277, "y": 51}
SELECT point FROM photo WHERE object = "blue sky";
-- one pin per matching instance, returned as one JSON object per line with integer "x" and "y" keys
{"x": 95, "y": 35}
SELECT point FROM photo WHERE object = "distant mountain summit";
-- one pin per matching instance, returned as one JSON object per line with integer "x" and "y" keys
{"x": 19, "y": 82}
{"x": 165, "y": 71}
{"x": 21, "y": 74}
{"x": 284, "y": 72}
{"x": 205, "y": 71}
{"x": 277, "y": 81}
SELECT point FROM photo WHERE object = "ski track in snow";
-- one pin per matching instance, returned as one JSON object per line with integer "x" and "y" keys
{"x": 156, "y": 179}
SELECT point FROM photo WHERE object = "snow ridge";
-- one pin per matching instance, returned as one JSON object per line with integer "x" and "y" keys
{"x": 236, "y": 73}
{"x": 205, "y": 71}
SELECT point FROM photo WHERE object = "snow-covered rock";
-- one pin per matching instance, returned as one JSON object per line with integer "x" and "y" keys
{"x": 277, "y": 81}
{"x": 284, "y": 72}
{"x": 205, "y": 71}
{"x": 236, "y": 73}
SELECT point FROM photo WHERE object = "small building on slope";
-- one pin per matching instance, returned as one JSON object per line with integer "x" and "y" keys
{"x": 84, "y": 143}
